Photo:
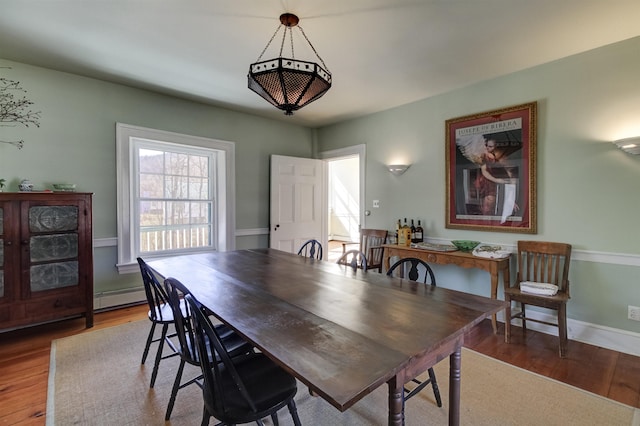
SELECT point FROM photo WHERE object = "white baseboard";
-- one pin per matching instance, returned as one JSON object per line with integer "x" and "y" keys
{"x": 592, "y": 334}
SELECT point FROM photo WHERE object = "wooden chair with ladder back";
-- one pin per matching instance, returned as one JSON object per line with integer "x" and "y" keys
{"x": 542, "y": 280}
{"x": 371, "y": 241}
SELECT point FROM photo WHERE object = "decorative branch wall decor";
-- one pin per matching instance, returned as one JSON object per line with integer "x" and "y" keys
{"x": 15, "y": 108}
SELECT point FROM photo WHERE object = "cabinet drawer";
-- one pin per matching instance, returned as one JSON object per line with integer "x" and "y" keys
{"x": 5, "y": 313}
{"x": 54, "y": 305}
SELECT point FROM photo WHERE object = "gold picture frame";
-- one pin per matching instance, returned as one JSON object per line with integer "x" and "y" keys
{"x": 491, "y": 170}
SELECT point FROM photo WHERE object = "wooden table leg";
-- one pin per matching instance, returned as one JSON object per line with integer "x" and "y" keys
{"x": 396, "y": 402}
{"x": 494, "y": 295}
{"x": 506, "y": 279}
{"x": 455, "y": 361}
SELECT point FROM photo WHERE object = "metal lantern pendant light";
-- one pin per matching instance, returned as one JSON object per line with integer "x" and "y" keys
{"x": 288, "y": 83}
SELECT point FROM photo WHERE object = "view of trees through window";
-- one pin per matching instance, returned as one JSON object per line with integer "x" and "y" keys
{"x": 175, "y": 200}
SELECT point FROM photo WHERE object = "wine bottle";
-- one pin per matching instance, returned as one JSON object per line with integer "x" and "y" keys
{"x": 405, "y": 233}
{"x": 398, "y": 231}
{"x": 400, "y": 238}
{"x": 413, "y": 232}
{"x": 419, "y": 233}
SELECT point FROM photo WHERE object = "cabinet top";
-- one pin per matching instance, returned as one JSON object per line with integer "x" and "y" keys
{"x": 41, "y": 195}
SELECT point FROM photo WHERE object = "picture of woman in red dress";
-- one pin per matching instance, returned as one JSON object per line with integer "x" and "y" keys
{"x": 491, "y": 152}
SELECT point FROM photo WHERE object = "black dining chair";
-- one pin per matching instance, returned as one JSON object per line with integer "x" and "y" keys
{"x": 182, "y": 312}
{"x": 160, "y": 313}
{"x": 412, "y": 268}
{"x": 242, "y": 389}
{"x": 354, "y": 258}
{"x": 311, "y": 248}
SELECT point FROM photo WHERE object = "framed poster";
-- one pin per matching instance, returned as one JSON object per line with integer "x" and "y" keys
{"x": 491, "y": 170}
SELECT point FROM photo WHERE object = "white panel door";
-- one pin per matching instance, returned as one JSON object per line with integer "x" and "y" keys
{"x": 296, "y": 202}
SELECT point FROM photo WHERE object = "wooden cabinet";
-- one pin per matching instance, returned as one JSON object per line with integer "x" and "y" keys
{"x": 46, "y": 258}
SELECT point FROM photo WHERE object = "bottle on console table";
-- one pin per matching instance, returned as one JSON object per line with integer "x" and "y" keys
{"x": 413, "y": 232}
{"x": 401, "y": 234}
{"x": 419, "y": 235}
{"x": 404, "y": 235}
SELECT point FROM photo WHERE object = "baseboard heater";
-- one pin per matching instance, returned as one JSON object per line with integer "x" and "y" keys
{"x": 112, "y": 299}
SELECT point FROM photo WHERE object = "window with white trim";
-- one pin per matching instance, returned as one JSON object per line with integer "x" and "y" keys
{"x": 174, "y": 194}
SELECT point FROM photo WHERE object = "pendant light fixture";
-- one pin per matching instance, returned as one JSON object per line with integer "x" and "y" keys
{"x": 289, "y": 83}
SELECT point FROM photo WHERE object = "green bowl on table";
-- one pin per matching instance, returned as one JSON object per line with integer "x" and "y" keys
{"x": 465, "y": 245}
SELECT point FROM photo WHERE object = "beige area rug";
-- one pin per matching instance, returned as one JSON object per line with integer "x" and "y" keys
{"x": 96, "y": 379}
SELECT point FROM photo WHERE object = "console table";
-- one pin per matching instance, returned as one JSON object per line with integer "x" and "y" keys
{"x": 465, "y": 260}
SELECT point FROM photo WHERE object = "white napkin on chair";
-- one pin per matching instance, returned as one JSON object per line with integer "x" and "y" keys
{"x": 544, "y": 289}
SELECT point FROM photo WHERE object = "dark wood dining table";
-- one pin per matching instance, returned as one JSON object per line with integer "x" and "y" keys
{"x": 341, "y": 332}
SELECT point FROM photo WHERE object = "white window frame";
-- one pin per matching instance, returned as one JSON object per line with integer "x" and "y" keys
{"x": 126, "y": 207}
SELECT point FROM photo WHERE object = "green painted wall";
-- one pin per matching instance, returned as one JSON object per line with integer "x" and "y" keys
{"x": 587, "y": 188}
{"x": 76, "y": 143}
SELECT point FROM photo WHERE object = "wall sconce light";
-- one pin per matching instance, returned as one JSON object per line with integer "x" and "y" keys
{"x": 629, "y": 145}
{"x": 398, "y": 169}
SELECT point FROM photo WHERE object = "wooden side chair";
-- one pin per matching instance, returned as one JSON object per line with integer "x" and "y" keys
{"x": 371, "y": 241}
{"x": 541, "y": 265}
{"x": 312, "y": 249}
{"x": 242, "y": 389}
{"x": 354, "y": 258}
{"x": 411, "y": 268}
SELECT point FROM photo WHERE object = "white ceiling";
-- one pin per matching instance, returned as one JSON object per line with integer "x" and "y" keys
{"x": 382, "y": 53}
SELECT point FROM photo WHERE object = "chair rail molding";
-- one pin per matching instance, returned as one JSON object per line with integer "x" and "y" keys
{"x": 251, "y": 232}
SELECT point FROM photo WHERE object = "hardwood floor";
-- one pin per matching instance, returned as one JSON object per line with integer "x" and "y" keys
{"x": 601, "y": 371}
{"x": 24, "y": 362}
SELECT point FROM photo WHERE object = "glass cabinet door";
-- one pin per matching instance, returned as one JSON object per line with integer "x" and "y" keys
{"x": 53, "y": 247}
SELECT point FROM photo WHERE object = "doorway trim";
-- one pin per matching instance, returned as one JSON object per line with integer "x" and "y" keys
{"x": 336, "y": 154}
